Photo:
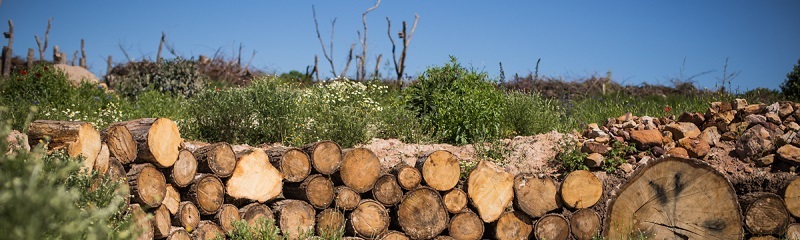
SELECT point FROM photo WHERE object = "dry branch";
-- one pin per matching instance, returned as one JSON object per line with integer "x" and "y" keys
{"x": 42, "y": 48}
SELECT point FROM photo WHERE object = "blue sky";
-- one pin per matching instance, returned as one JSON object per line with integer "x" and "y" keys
{"x": 638, "y": 41}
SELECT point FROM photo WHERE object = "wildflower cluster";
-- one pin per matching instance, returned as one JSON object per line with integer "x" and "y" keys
{"x": 342, "y": 91}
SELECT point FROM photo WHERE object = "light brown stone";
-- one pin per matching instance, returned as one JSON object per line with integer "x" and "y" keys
{"x": 789, "y": 153}
{"x": 765, "y": 160}
{"x": 711, "y": 136}
{"x": 683, "y": 129}
{"x": 785, "y": 109}
{"x": 678, "y": 152}
{"x": 738, "y": 104}
{"x": 773, "y": 118}
{"x": 594, "y": 160}
{"x": 695, "y": 147}
{"x": 692, "y": 117}
{"x": 594, "y": 147}
{"x": 76, "y": 74}
{"x": 755, "y": 142}
{"x": 646, "y": 138}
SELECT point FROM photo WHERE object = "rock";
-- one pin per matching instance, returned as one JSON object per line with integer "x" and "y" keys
{"x": 773, "y": 108}
{"x": 594, "y": 160}
{"x": 789, "y": 138}
{"x": 785, "y": 109}
{"x": 649, "y": 123}
{"x": 645, "y": 159}
{"x": 645, "y": 139}
{"x": 789, "y": 153}
{"x": 603, "y": 139}
{"x": 755, "y": 142}
{"x": 692, "y": 117}
{"x": 793, "y": 126}
{"x": 658, "y": 151}
{"x": 728, "y": 136}
{"x": 711, "y": 136}
{"x": 773, "y": 118}
{"x": 753, "y": 109}
{"x": 753, "y": 120}
{"x": 76, "y": 74}
{"x": 738, "y": 104}
{"x": 595, "y": 131}
{"x": 626, "y": 167}
{"x": 683, "y": 129}
{"x": 678, "y": 152}
{"x": 629, "y": 124}
{"x": 765, "y": 160}
{"x": 695, "y": 147}
{"x": 594, "y": 147}
{"x": 625, "y": 117}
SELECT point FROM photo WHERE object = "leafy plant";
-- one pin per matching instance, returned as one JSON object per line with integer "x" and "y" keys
{"x": 529, "y": 114}
{"x": 178, "y": 77}
{"x": 570, "y": 156}
{"x": 791, "y": 86}
{"x": 616, "y": 156}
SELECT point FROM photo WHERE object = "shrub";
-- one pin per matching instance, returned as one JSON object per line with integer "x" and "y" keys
{"x": 458, "y": 104}
{"x": 529, "y": 114}
{"x": 791, "y": 86}
{"x": 155, "y": 104}
{"x": 179, "y": 77}
{"x": 570, "y": 156}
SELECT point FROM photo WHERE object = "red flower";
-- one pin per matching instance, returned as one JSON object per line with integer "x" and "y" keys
{"x": 217, "y": 89}
{"x": 38, "y": 75}
{"x": 667, "y": 109}
{"x": 45, "y": 68}
{"x": 23, "y": 72}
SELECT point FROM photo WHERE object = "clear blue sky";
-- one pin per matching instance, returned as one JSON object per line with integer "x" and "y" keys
{"x": 638, "y": 41}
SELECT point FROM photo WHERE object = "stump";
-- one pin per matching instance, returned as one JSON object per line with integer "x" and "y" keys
{"x": 466, "y": 226}
{"x": 207, "y": 230}
{"x": 407, "y": 177}
{"x": 147, "y": 184}
{"x": 293, "y": 163}
{"x": 325, "y": 156}
{"x": 440, "y": 169}
{"x": 490, "y": 190}
{"x": 77, "y": 138}
{"x": 675, "y": 198}
{"x": 359, "y": 170}
{"x": 254, "y": 179}
{"x": 792, "y": 197}
{"x": 346, "y": 198}
{"x": 330, "y": 222}
{"x": 294, "y": 217}
{"x": 513, "y": 225}
{"x": 552, "y": 227}
{"x": 121, "y": 144}
{"x": 387, "y": 191}
{"x": 218, "y": 159}
{"x": 183, "y": 170}
{"x": 536, "y": 196}
{"x": 581, "y": 189}
{"x": 585, "y": 224}
{"x": 368, "y": 220}
{"x": 315, "y": 189}
{"x": 225, "y": 217}
{"x": 455, "y": 200}
{"x": 187, "y": 216}
{"x": 161, "y": 222}
{"x": 765, "y": 213}
{"x": 422, "y": 214}
{"x": 207, "y": 193}
{"x": 157, "y": 140}
{"x": 255, "y": 212}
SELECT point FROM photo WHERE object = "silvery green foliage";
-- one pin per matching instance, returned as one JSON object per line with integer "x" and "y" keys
{"x": 179, "y": 77}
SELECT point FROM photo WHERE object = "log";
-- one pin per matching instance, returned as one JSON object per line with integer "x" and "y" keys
{"x": 792, "y": 197}
{"x": 325, "y": 156}
{"x": 187, "y": 216}
{"x": 490, "y": 190}
{"x": 207, "y": 230}
{"x": 422, "y": 214}
{"x": 674, "y": 198}
{"x": 178, "y": 233}
{"x": 767, "y": 237}
{"x": 144, "y": 226}
{"x": 147, "y": 184}
{"x": 157, "y": 140}
{"x": 254, "y": 179}
{"x": 466, "y": 226}
{"x": 793, "y": 231}
{"x": 387, "y": 191}
{"x": 536, "y": 196}
{"x": 207, "y": 193}
{"x": 455, "y": 200}
{"x": 513, "y": 225}
{"x": 315, "y": 189}
{"x": 161, "y": 222}
{"x": 293, "y": 163}
{"x": 394, "y": 235}
{"x": 183, "y": 170}
{"x": 440, "y": 169}
{"x": 359, "y": 170}
{"x": 346, "y": 198}
{"x": 225, "y": 217}
{"x": 369, "y": 220}
{"x": 120, "y": 143}
{"x": 255, "y": 212}
{"x": 581, "y": 189}
{"x": 295, "y": 218}
{"x": 407, "y": 177}
{"x": 443, "y": 237}
{"x": 172, "y": 199}
{"x": 115, "y": 169}
{"x": 330, "y": 222}
{"x": 552, "y": 227}
{"x": 101, "y": 162}
{"x": 218, "y": 159}
{"x": 585, "y": 224}
{"x": 77, "y": 138}
{"x": 352, "y": 238}
{"x": 765, "y": 213}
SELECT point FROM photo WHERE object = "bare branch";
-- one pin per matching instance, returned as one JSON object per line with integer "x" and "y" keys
{"x": 316, "y": 66}
{"x": 160, "y": 46}
{"x": 239, "y": 58}
{"x": 7, "y": 50}
{"x": 250, "y": 61}
{"x": 82, "y": 61}
{"x": 349, "y": 59}
{"x": 362, "y": 67}
{"x": 394, "y": 47}
{"x": 125, "y": 52}
{"x": 322, "y": 43}
{"x": 406, "y": 40}
{"x": 74, "y": 58}
{"x": 377, "y": 66}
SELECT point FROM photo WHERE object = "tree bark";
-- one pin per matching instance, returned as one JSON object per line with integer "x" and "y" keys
{"x": 455, "y": 200}
{"x": 490, "y": 190}
{"x": 183, "y": 171}
{"x": 513, "y": 225}
{"x": 218, "y": 159}
{"x": 254, "y": 179}
{"x": 226, "y": 215}
{"x": 369, "y": 220}
{"x": 552, "y": 226}
{"x": 407, "y": 177}
{"x": 330, "y": 222}
{"x": 101, "y": 162}
{"x": 161, "y": 222}
{"x": 187, "y": 216}
{"x": 77, "y": 138}
{"x": 115, "y": 169}
{"x": 387, "y": 191}
{"x": 255, "y": 212}
{"x": 765, "y": 213}
{"x": 791, "y": 196}
{"x": 207, "y": 193}
{"x": 207, "y": 230}
{"x": 120, "y": 143}
{"x": 466, "y": 226}
{"x": 147, "y": 184}
{"x": 346, "y": 198}
{"x": 585, "y": 224}
{"x": 293, "y": 163}
{"x": 157, "y": 140}
{"x": 315, "y": 189}
{"x": 440, "y": 169}
{"x": 422, "y": 214}
{"x": 178, "y": 233}
{"x": 581, "y": 189}
{"x": 294, "y": 217}
{"x": 359, "y": 170}
{"x": 172, "y": 199}
{"x": 536, "y": 196}
{"x": 325, "y": 156}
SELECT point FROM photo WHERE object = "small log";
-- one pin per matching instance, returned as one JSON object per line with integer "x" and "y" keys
{"x": 77, "y": 138}
{"x": 352, "y": 238}
{"x": 793, "y": 231}
{"x": 394, "y": 235}
{"x": 552, "y": 226}
{"x": 115, "y": 169}
{"x": 293, "y": 163}
{"x": 585, "y": 224}
{"x": 466, "y": 226}
{"x": 147, "y": 184}
{"x": 330, "y": 222}
{"x": 346, "y": 198}
{"x": 359, "y": 170}
{"x": 187, "y": 216}
{"x": 178, "y": 233}
{"x": 490, "y": 190}
{"x": 765, "y": 213}
{"x": 207, "y": 193}
{"x": 325, "y": 156}
{"x": 443, "y": 237}
{"x": 455, "y": 200}
{"x": 581, "y": 189}
{"x": 120, "y": 143}
{"x": 101, "y": 162}
{"x": 370, "y": 219}
{"x": 440, "y": 169}
{"x": 422, "y": 214}
{"x": 207, "y": 230}
{"x": 536, "y": 196}
{"x": 407, "y": 177}
{"x": 315, "y": 189}
{"x": 255, "y": 212}
{"x": 183, "y": 171}
{"x": 387, "y": 191}
{"x": 225, "y": 217}
{"x": 157, "y": 140}
{"x": 161, "y": 222}
{"x": 172, "y": 199}
{"x": 217, "y": 158}
{"x": 143, "y": 223}
{"x": 294, "y": 217}
{"x": 792, "y": 197}
{"x": 254, "y": 178}
{"x": 513, "y": 225}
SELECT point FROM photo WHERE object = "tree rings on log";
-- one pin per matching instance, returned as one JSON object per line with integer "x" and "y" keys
{"x": 422, "y": 214}
{"x": 218, "y": 159}
{"x": 346, "y": 198}
{"x": 121, "y": 144}
{"x": 330, "y": 222}
{"x": 513, "y": 225}
{"x": 255, "y": 212}
{"x": 534, "y": 195}
{"x": 407, "y": 177}
{"x": 370, "y": 219}
{"x": 490, "y": 190}
{"x": 294, "y": 217}
{"x": 585, "y": 224}
{"x": 183, "y": 170}
{"x": 394, "y": 235}
{"x": 207, "y": 230}
{"x": 360, "y": 169}
{"x": 157, "y": 140}
{"x": 143, "y": 223}
{"x": 172, "y": 199}
{"x": 466, "y": 226}
{"x": 148, "y": 185}
{"x": 675, "y": 198}
{"x": 440, "y": 169}
{"x": 178, "y": 233}
{"x": 77, "y": 138}
{"x": 226, "y": 216}
{"x": 387, "y": 191}
{"x": 254, "y": 179}
{"x": 581, "y": 189}
{"x": 455, "y": 200}
{"x": 293, "y": 163}
{"x": 161, "y": 222}
{"x": 187, "y": 216}
{"x": 207, "y": 193}
{"x": 315, "y": 189}
{"x": 765, "y": 213}
{"x": 552, "y": 227}
{"x": 792, "y": 197}
{"x": 326, "y": 156}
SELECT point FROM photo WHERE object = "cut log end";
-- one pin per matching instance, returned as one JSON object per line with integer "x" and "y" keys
{"x": 325, "y": 156}
{"x": 121, "y": 143}
{"x": 315, "y": 189}
{"x": 585, "y": 224}
{"x": 183, "y": 170}
{"x": 207, "y": 193}
{"x": 407, "y": 177}
{"x": 552, "y": 226}
{"x": 254, "y": 178}
{"x": 422, "y": 214}
{"x": 77, "y": 138}
{"x": 294, "y": 217}
{"x": 346, "y": 198}
{"x": 360, "y": 169}
{"x": 581, "y": 189}
{"x": 293, "y": 163}
{"x": 513, "y": 225}
{"x": 765, "y": 214}
{"x": 161, "y": 222}
{"x": 226, "y": 216}
{"x": 218, "y": 159}
{"x": 369, "y": 219}
{"x": 792, "y": 197}
{"x": 157, "y": 140}
{"x": 440, "y": 170}
{"x": 455, "y": 200}
{"x": 490, "y": 190}
{"x": 330, "y": 222}
{"x": 142, "y": 222}
{"x": 187, "y": 216}
{"x": 147, "y": 184}
{"x": 466, "y": 226}
{"x": 387, "y": 191}
{"x": 536, "y": 196}
{"x": 207, "y": 230}
{"x": 255, "y": 212}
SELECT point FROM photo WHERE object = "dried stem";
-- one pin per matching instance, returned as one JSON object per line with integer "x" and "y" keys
{"x": 363, "y": 63}
{"x": 322, "y": 43}
{"x": 399, "y": 65}
{"x": 160, "y": 46}
{"x": 42, "y": 48}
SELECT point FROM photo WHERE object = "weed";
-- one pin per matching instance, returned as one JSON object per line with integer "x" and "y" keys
{"x": 570, "y": 156}
{"x": 616, "y": 156}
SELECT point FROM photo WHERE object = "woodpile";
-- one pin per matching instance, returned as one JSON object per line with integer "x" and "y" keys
{"x": 198, "y": 190}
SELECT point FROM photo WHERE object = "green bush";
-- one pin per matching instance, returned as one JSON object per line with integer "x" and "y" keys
{"x": 791, "y": 86}
{"x": 529, "y": 114}
{"x": 155, "y": 104}
{"x": 460, "y": 105}
{"x": 178, "y": 77}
